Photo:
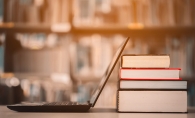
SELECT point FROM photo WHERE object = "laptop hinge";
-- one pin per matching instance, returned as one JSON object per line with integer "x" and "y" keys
{"x": 89, "y": 103}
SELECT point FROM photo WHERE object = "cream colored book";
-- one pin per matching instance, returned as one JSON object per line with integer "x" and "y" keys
{"x": 145, "y": 61}
{"x": 152, "y": 101}
{"x": 149, "y": 74}
{"x": 152, "y": 85}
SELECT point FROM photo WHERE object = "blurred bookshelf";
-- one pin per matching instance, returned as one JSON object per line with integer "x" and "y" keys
{"x": 47, "y": 44}
{"x": 128, "y": 31}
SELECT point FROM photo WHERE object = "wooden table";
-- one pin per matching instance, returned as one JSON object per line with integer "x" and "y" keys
{"x": 94, "y": 113}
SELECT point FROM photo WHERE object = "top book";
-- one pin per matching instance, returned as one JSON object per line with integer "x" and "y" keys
{"x": 145, "y": 61}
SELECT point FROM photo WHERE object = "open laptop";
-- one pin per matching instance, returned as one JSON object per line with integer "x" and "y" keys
{"x": 68, "y": 106}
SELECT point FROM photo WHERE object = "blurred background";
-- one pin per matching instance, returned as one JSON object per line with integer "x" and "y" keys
{"x": 58, "y": 50}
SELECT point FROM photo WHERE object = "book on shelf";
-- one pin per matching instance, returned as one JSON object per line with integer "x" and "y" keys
{"x": 36, "y": 11}
{"x": 1, "y": 11}
{"x": 145, "y": 61}
{"x": 149, "y": 73}
{"x": 182, "y": 12}
{"x": 136, "y": 84}
{"x": 9, "y": 8}
{"x": 152, "y": 101}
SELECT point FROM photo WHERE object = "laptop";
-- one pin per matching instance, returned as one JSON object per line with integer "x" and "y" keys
{"x": 68, "y": 106}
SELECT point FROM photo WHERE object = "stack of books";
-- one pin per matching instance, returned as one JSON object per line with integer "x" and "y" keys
{"x": 147, "y": 84}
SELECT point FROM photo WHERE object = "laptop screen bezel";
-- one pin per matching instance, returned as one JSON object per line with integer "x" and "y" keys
{"x": 108, "y": 73}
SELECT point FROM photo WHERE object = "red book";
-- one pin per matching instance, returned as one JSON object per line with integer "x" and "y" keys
{"x": 149, "y": 74}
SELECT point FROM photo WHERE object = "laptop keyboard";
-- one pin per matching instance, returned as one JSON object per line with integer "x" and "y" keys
{"x": 63, "y": 103}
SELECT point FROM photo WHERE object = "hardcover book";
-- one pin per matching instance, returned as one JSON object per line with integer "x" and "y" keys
{"x": 152, "y": 101}
{"x": 145, "y": 61}
{"x": 149, "y": 74}
{"x": 136, "y": 84}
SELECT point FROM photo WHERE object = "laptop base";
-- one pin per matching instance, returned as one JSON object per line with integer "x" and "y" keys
{"x": 60, "y": 108}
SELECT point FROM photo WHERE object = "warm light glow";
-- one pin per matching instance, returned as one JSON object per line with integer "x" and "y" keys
{"x": 7, "y": 25}
{"x": 136, "y": 26}
{"x": 61, "y": 27}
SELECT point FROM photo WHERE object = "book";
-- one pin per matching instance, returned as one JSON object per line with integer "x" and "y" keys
{"x": 2, "y": 50}
{"x": 146, "y": 12}
{"x": 155, "y": 12}
{"x": 145, "y": 61}
{"x": 8, "y": 10}
{"x": 149, "y": 74}
{"x": 152, "y": 101}
{"x": 126, "y": 84}
{"x": 1, "y": 11}
{"x": 170, "y": 13}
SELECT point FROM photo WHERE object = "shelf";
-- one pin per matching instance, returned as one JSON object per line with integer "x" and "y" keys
{"x": 31, "y": 28}
{"x": 179, "y": 30}
{"x": 107, "y": 29}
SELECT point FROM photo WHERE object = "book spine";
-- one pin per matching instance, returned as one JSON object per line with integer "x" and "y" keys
{"x": 1, "y": 10}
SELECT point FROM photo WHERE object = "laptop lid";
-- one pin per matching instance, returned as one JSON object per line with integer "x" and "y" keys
{"x": 107, "y": 74}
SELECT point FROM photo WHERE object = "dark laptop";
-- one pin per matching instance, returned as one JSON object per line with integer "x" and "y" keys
{"x": 68, "y": 106}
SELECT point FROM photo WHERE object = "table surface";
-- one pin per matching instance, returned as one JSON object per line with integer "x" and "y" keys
{"x": 94, "y": 113}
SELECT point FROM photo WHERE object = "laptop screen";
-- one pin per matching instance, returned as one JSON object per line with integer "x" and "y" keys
{"x": 108, "y": 73}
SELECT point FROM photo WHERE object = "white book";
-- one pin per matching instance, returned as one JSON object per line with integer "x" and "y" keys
{"x": 145, "y": 61}
{"x": 126, "y": 84}
{"x": 152, "y": 101}
{"x": 149, "y": 74}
